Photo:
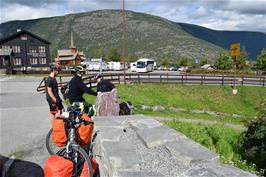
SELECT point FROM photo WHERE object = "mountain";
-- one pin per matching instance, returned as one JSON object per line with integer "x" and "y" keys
{"x": 252, "y": 42}
{"x": 146, "y": 35}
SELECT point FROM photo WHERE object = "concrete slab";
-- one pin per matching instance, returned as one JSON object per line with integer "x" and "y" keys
{"x": 191, "y": 152}
{"x": 158, "y": 136}
{"x": 121, "y": 156}
{"x": 137, "y": 174}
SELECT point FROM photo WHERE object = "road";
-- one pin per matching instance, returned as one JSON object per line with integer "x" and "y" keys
{"x": 24, "y": 113}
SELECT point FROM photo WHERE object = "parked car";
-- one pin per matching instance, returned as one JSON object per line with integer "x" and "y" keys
{"x": 184, "y": 69}
{"x": 173, "y": 68}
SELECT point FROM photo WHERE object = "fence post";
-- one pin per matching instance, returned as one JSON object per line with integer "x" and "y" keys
{"x": 119, "y": 78}
{"x": 182, "y": 79}
{"x": 242, "y": 82}
{"x": 201, "y": 82}
{"x": 160, "y": 78}
{"x": 167, "y": 77}
{"x": 222, "y": 79}
{"x": 263, "y": 82}
{"x": 90, "y": 81}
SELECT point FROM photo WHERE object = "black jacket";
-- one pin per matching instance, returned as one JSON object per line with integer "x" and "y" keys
{"x": 105, "y": 86}
{"x": 77, "y": 88}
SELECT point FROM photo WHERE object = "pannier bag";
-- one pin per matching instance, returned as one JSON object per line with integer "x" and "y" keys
{"x": 56, "y": 166}
{"x": 126, "y": 108}
{"x": 59, "y": 134}
{"x": 85, "y": 131}
{"x": 95, "y": 169}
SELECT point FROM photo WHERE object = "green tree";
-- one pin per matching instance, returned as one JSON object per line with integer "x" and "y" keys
{"x": 203, "y": 61}
{"x": 131, "y": 58}
{"x": 113, "y": 55}
{"x": 252, "y": 143}
{"x": 224, "y": 62}
{"x": 99, "y": 53}
{"x": 183, "y": 61}
{"x": 261, "y": 60}
{"x": 164, "y": 61}
{"x": 241, "y": 60}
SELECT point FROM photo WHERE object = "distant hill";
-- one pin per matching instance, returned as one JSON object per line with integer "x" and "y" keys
{"x": 253, "y": 42}
{"x": 146, "y": 35}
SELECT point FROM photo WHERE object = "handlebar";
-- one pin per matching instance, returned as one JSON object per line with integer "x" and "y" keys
{"x": 80, "y": 120}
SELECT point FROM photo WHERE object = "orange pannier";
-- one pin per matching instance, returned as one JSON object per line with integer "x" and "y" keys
{"x": 85, "y": 131}
{"x": 59, "y": 133}
{"x": 56, "y": 166}
{"x": 85, "y": 170}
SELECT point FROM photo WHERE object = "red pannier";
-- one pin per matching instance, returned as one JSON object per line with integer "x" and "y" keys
{"x": 59, "y": 133}
{"x": 56, "y": 166}
{"x": 95, "y": 169}
{"x": 85, "y": 131}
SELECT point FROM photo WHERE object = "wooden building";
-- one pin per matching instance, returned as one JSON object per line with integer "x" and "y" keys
{"x": 29, "y": 50}
{"x": 71, "y": 56}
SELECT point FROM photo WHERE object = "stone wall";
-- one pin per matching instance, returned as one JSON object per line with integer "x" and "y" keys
{"x": 139, "y": 146}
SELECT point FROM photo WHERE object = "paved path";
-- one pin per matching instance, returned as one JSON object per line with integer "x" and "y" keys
{"x": 24, "y": 113}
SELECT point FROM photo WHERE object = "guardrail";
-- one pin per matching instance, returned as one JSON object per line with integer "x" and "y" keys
{"x": 198, "y": 79}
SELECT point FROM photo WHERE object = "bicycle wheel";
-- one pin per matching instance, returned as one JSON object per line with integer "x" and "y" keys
{"x": 50, "y": 146}
{"x": 82, "y": 158}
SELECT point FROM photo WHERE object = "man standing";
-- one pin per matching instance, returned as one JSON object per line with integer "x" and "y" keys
{"x": 52, "y": 95}
{"x": 77, "y": 87}
{"x": 102, "y": 84}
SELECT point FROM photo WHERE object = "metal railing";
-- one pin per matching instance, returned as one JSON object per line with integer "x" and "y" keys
{"x": 195, "y": 79}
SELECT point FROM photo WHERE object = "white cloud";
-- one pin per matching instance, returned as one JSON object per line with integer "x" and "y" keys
{"x": 21, "y": 12}
{"x": 216, "y": 14}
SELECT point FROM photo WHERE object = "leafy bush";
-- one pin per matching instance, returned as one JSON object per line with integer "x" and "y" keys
{"x": 252, "y": 143}
{"x": 218, "y": 138}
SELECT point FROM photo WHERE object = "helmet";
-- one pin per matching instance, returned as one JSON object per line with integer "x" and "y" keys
{"x": 98, "y": 75}
{"x": 55, "y": 66}
{"x": 79, "y": 69}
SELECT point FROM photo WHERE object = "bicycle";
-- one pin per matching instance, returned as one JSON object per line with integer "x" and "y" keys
{"x": 72, "y": 150}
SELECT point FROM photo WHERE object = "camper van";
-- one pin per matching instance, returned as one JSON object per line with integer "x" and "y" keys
{"x": 144, "y": 65}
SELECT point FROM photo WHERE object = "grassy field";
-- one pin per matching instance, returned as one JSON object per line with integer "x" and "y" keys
{"x": 194, "y": 97}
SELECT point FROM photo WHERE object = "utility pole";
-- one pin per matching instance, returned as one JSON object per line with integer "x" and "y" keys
{"x": 123, "y": 52}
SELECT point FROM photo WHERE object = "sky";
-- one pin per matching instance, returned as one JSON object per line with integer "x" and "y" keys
{"x": 239, "y": 15}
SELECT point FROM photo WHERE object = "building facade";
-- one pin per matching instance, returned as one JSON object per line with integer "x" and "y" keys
{"x": 29, "y": 50}
{"x": 71, "y": 56}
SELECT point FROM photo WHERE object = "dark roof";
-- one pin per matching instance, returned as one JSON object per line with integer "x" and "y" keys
{"x": 23, "y": 32}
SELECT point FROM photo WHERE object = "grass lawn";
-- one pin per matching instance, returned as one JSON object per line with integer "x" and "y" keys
{"x": 194, "y": 97}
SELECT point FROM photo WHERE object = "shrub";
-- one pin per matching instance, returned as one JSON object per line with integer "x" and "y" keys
{"x": 252, "y": 143}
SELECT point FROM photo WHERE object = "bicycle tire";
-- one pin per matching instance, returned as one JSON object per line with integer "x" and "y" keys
{"x": 84, "y": 155}
{"x": 50, "y": 146}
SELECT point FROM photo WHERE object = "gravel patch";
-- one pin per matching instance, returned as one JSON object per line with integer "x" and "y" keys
{"x": 158, "y": 159}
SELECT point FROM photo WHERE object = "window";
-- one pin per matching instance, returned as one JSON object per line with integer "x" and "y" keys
{"x": 16, "y": 48}
{"x": 32, "y": 49}
{"x": 5, "y": 47}
{"x": 33, "y": 61}
{"x": 41, "y": 49}
{"x": 17, "y": 61}
{"x": 23, "y": 38}
{"x": 140, "y": 64}
{"x": 4, "y": 62}
{"x": 42, "y": 61}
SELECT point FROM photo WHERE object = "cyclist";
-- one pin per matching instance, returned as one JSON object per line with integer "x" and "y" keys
{"x": 52, "y": 95}
{"x": 102, "y": 84}
{"x": 77, "y": 87}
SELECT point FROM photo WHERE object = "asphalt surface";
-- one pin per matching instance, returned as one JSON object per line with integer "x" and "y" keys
{"x": 24, "y": 113}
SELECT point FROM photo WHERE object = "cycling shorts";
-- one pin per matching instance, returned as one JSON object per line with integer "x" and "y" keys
{"x": 54, "y": 108}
